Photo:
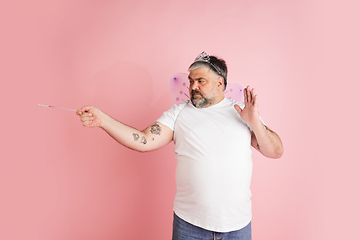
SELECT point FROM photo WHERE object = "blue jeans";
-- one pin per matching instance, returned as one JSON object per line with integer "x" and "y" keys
{"x": 185, "y": 231}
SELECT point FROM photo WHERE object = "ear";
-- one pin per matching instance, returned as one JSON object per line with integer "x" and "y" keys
{"x": 220, "y": 82}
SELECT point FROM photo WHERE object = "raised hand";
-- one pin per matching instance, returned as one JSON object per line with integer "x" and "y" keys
{"x": 250, "y": 111}
{"x": 90, "y": 116}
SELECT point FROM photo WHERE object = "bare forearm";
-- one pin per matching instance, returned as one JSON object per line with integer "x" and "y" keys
{"x": 123, "y": 134}
{"x": 153, "y": 137}
{"x": 266, "y": 141}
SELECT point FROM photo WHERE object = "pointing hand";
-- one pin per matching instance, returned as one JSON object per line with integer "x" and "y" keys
{"x": 90, "y": 116}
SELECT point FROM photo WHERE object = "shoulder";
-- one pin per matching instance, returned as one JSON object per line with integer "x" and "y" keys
{"x": 176, "y": 108}
{"x": 169, "y": 117}
{"x": 231, "y": 101}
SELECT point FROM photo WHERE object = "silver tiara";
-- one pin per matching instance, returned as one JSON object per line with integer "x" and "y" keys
{"x": 204, "y": 57}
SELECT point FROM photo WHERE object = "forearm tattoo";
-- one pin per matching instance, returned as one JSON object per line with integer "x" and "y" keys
{"x": 143, "y": 140}
{"x": 155, "y": 129}
{"x": 136, "y": 136}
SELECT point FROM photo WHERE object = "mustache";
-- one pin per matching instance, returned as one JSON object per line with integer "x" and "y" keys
{"x": 196, "y": 92}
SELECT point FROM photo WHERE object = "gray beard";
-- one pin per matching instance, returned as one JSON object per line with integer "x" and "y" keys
{"x": 202, "y": 103}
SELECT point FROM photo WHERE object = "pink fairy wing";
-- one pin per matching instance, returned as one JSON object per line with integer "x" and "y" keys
{"x": 234, "y": 91}
{"x": 179, "y": 86}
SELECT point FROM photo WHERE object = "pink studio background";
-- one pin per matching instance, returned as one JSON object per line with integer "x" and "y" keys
{"x": 59, "y": 180}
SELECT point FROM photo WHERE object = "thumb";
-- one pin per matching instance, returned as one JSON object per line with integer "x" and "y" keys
{"x": 238, "y": 108}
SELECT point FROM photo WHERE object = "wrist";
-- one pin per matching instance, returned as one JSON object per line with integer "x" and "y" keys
{"x": 103, "y": 120}
{"x": 256, "y": 125}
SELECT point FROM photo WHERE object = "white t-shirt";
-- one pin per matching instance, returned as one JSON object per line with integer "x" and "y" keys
{"x": 214, "y": 165}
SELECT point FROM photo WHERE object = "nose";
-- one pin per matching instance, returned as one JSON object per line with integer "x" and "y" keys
{"x": 194, "y": 86}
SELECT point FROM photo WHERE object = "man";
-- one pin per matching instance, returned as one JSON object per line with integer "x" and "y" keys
{"x": 213, "y": 136}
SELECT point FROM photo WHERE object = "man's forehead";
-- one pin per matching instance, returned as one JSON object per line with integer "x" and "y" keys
{"x": 198, "y": 73}
{"x": 196, "y": 77}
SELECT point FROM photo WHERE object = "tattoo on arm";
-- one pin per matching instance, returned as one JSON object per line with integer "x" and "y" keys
{"x": 155, "y": 129}
{"x": 136, "y": 136}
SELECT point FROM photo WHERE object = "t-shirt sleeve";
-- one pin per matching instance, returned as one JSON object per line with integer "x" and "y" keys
{"x": 169, "y": 117}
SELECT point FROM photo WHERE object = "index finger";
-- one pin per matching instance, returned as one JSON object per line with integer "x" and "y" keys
{"x": 83, "y": 110}
{"x": 86, "y": 108}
